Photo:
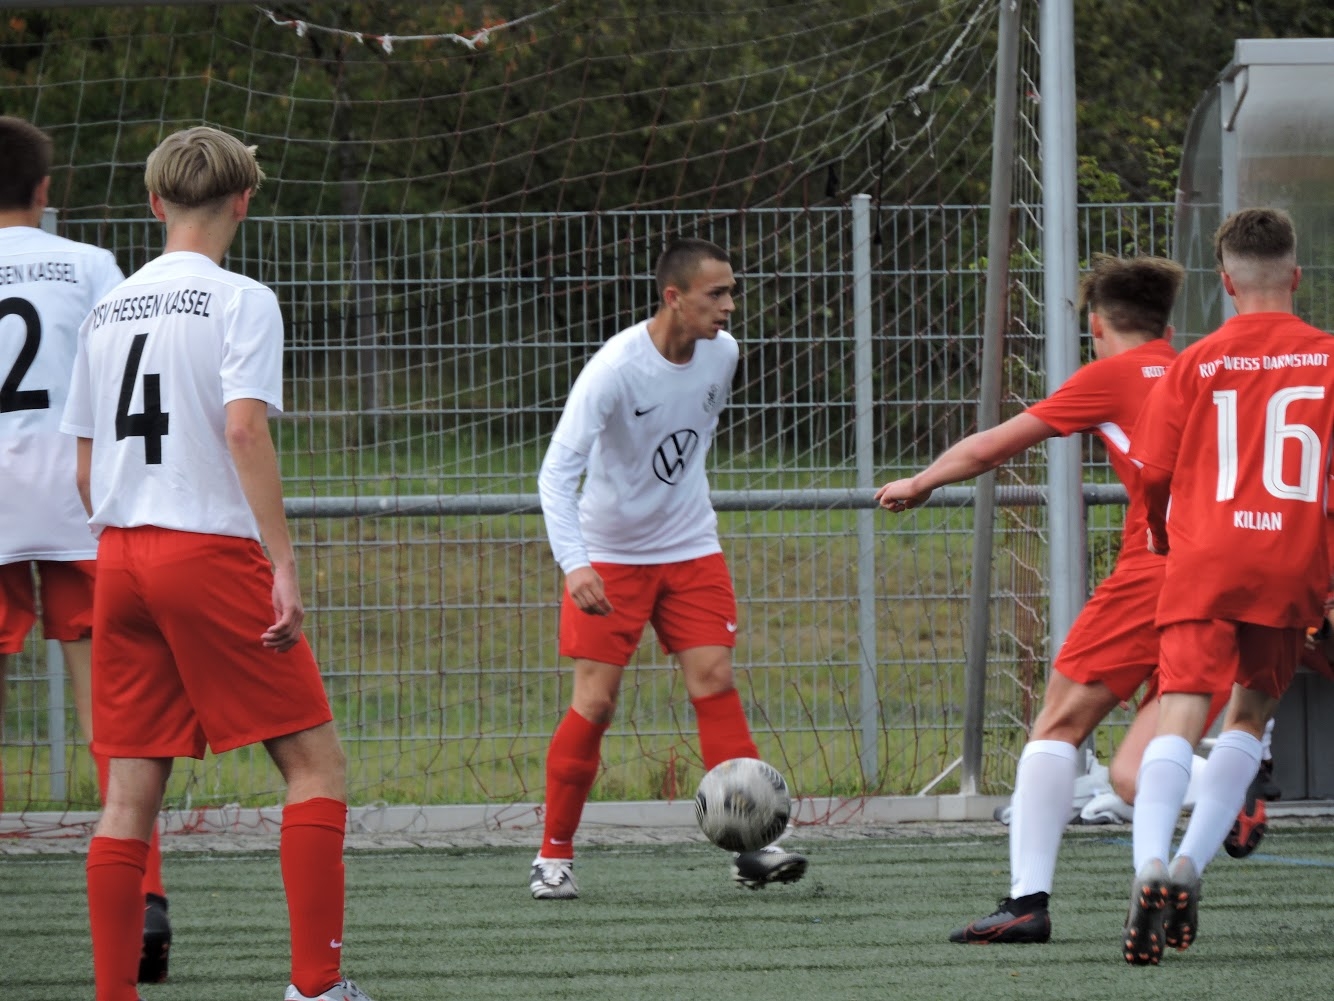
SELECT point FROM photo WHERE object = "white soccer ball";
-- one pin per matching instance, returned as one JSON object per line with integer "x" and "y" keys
{"x": 743, "y": 804}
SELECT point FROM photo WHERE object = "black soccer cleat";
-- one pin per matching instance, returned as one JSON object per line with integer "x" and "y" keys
{"x": 157, "y": 941}
{"x": 1248, "y": 830}
{"x": 1265, "y": 786}
{"x": 756, "y": 870}
{"x": 1142, "y": 938}
{"x": 1025, "y": 919}
{"x": 1181, "y": 915}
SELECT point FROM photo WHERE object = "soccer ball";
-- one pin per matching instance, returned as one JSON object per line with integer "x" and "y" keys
{"x": 743, "y": 804}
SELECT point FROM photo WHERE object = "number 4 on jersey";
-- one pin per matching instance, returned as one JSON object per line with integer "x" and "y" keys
{"x": 151, "y": 423}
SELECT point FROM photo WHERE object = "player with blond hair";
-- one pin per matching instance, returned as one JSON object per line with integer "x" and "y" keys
{"x": 47, "y": 286}
{"x": 1112, "y": 647}
{"x": 1237, "y": 439}
{"x": 194, "y": 626}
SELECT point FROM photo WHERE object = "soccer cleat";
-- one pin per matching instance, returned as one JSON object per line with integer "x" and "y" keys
{"x": 344, "y": 990}
{"x": 553, "y": 879}
{"x": 1250, "y": 826}
{"x": 1023, "y": 920}
{"x": 758, "y": 869}
{"x": 1182, "y": 915}
{"x": 157, "y": 941}
{"x": 1266, "y": 788}
{"x": 1142, "y": 939}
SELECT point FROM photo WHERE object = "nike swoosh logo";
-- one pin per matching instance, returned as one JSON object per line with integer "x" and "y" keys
{"x": 731, "y": 627}
{"x": 641, "y": 413}
{"x": 335, "y": 944}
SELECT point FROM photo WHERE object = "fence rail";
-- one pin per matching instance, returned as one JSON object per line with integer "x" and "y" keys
{"x": 428, "y": 358}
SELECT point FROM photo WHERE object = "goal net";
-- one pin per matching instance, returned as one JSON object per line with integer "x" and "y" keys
{"x": 462, "y": 204}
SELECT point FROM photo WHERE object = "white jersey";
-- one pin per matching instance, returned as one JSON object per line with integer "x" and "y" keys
{"x": 47, "y": 286}
{"x": 159, "y": 358}
{"x": 644, "y": 425}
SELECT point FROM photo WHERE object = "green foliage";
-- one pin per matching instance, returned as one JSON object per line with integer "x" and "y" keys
{"x": 594, "y": 104}
{"x": 1141, "y": 66}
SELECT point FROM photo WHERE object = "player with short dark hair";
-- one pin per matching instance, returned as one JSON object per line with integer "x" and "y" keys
{"x": 47, "y": 286}
{"x": 639, "y": 543}
{"x": 1237, "y": 438}
{"x": 195, "y": 628}
{"x": 1112, "y": 647}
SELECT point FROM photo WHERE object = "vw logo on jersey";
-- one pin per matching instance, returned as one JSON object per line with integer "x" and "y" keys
{"x": 673, "y": 455}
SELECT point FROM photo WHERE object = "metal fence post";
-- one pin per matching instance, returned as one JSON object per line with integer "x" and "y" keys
{"x": 864, "y": 421}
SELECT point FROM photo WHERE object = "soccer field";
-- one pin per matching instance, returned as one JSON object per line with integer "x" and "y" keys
{"x": 663, "y": 921}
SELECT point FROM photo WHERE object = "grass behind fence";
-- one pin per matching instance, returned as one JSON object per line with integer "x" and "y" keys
{"x": 664, "y": 923}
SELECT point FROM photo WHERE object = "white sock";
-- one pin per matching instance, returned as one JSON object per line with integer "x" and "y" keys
{"x": 1044, "y": 789}
{"x": 1160, "y": 789}
{"x": 1197, "y": 764}
{"x": 1266, "y": 742}
{"x": 1232, "y": 765}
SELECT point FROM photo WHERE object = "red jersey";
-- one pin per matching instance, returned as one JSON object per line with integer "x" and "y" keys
{"x": 1238, "y": 434}
{"x": 1105, "y": 397}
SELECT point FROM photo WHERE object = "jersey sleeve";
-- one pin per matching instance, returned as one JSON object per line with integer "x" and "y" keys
{"x": 77, "y": 418}
{"x": 1082, "y": 402}
{"x": 106, "y": 275}
{"x": 588, "y": 408}
{"x": 558, "y": 489}
{"x": 252, "y": 350}
{"x": 1161, "y": 422}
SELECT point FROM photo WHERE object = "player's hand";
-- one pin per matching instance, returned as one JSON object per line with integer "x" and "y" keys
{"x": 288, "y": 612}
{"x": 585, "y": 587}
{"x": 900, "y": 495}
{"x": 1156, "y": 546}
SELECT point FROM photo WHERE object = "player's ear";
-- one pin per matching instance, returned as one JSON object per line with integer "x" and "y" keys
{"x": 1169, "y": 332}
{"x": 156, "y": 206}
{"x": 1296, "y": 277}
{"x": 241, "y": 205}
{"x": 1228, "y": 287}
{"x": 1096, "y": 329}
{"x": 41, "y": 195}
{"x": 671, "y": 295}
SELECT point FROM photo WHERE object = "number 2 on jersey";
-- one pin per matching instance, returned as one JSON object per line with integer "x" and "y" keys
{"x": 11, "y": 397}
{"x": 1278, "y": 433}
{"x": 151, "y": 423}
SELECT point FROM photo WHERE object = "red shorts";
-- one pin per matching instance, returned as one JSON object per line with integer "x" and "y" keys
{"x": 66, "y": 590}
{"x": 1114, "y": 640}
{"x": 1201, "y": 656}
{"x": 177, "y": 657}
{"x": 690, "y": 604}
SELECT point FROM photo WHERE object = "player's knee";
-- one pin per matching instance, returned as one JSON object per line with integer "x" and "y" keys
{"x": 710, "y": 677}
{"x": 596, "y": 707}
{"x": 1123, "y": 775}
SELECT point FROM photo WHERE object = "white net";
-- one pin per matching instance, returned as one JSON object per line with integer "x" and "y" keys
{"x": 460, "y": 209}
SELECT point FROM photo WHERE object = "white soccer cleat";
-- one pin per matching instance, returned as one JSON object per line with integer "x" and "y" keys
{"x": 553, "y": 879}
{"x": 344, "y": 990}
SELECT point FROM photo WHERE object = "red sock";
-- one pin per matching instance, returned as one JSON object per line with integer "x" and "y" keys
{"x": 310, "y": 851}
{"x": 572, "y": 765}
{"x": 115, "y": 869}
{"x": 153, "y": 866}
{"x": 723, "y": 730}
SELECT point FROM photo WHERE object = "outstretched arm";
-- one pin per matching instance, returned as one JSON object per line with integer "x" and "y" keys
{"x": 965, "y": 459}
